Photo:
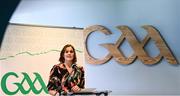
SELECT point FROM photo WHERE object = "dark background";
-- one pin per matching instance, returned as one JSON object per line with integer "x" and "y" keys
{"x": 7, "y": 7}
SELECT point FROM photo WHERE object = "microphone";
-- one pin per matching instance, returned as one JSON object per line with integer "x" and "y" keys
{"x": 74, "y": 66}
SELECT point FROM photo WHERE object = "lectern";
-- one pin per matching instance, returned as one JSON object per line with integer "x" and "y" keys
{"x": 96, "y": 93}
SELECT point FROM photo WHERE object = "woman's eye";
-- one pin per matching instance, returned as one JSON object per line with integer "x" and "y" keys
{"x": 68, "y": 51}
{"x": 71, "y": 51}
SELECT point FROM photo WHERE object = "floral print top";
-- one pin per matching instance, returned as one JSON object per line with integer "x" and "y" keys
{"x": 62, "y": 81}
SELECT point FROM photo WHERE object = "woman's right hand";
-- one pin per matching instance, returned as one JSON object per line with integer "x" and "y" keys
{"x": 53, "y": 93}
{"x": 76, "y": 88}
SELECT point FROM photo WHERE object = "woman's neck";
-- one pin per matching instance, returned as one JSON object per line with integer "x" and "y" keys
{"x": 69, "y": 64}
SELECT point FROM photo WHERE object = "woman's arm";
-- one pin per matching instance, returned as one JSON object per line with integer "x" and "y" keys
{"x": 53, "y": 81}
{"x": 82, "y": 78}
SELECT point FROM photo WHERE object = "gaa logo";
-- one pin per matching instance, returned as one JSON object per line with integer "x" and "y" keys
{"x": 19, "y": 85}
{"x": 137, "y": 46}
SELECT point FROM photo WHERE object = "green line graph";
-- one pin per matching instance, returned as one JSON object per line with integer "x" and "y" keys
{"x": 34, "y": 54}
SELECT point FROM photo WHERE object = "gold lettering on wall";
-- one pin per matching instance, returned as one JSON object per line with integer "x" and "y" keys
{"x": 137, "y": 46}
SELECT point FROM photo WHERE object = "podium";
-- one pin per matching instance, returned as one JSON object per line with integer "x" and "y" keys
{"x": 94, "y": 93}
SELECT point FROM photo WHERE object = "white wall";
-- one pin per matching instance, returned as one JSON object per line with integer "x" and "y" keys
{"x": 136, "y": 78}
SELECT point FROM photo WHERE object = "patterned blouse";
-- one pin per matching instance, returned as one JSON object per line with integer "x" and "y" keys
{"x": 62, "y": 81}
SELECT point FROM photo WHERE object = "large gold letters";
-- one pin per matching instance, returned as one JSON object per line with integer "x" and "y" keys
{"x": 137, "y": 46}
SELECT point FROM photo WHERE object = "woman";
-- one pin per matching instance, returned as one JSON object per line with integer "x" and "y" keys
{"x": 66, "y": 77}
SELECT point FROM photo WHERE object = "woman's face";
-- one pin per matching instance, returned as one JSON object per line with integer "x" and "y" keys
{"x": 69, "y": 54}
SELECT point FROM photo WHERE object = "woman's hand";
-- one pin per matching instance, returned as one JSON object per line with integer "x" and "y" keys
{"x": 53, "y": 93}
{"x": 76, "y": 88}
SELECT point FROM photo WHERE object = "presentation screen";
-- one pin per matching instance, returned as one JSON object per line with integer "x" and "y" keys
{"x": 28, "y": 53}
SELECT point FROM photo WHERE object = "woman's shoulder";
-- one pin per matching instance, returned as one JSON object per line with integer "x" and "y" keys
{"x": 60, "y": 65}
{"x": 80, "y": 67}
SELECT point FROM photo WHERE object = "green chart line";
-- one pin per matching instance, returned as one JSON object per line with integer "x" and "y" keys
{"x": 34, "y": 54}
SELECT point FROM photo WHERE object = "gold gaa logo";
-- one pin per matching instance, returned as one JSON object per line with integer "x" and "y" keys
{"x": 137, "y": 46}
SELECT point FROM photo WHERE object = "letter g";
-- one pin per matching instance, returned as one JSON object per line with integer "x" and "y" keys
{"x": 3, "y": 83}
